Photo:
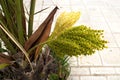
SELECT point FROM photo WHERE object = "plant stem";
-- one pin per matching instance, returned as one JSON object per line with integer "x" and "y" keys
{"x": 31, "y": 17}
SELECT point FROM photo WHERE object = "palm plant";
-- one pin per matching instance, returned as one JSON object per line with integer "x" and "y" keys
{"x": 39, "y": 55}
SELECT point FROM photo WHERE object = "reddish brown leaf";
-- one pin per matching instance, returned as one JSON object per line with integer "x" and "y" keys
{"x": 5, "y": 59}
{"x": 39, "y": 32}
{"x": 44, "y": 36}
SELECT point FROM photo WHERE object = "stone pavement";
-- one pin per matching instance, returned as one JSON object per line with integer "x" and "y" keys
{"x": 105, "y": 64}
{"x": 98, "y": 14}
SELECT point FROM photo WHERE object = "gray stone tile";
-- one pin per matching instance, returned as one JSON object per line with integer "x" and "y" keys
{"x": 94, "y": 12}
{"x": 118, "y": 44}
{"x": 93, "y": 78}
{"x": 112, "y": 45}
{"x": 113, "y": 77}
{"x": 102, "y": 70}
{"x": 64, "y": 3}
{"x": 109, "y": 37}
{"x": 117, "y": 70}
{"x": 115, "y": 27}
{"x": 74, "y": 78}
{"x": 100, "y": 26}
{"x": 94, "y": 3}
{"x": 46, "y": 2}
{"x": 73, "y": 61}
{"x": 77, "y": 3}
{"x": 79, "y": 71}
{"x": 117, "y": 37}
{"x": 111, "y": 56}
{"x": 112, "y": 18}
{"x": 92, "y": 60}
{"x": 115, "y": 3}
{"x": 117, "y": 10}
{"x": 97, "y": 19}
{"x": 108, "y": 11}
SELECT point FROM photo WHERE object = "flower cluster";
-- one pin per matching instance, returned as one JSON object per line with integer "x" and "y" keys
{"x": 64, "y": 21}
{"x": 80, "y": 40}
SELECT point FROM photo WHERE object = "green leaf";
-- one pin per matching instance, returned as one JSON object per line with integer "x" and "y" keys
{"x": 19, "y": 21}
{"x": 7, "y": 42}
{"x": 13, "y": 17}
{"x": 6, "y": 8}
{"x": 2, "y": 66}
{"x": 3, "y": 50}
{"x": 53, "y": 76}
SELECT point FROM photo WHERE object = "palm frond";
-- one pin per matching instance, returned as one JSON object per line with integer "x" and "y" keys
{"x": 8, "y": 13}
{"x": 19, "y": 11}
{"x": 8, "y": 43}
{"x": 16, "y": 42}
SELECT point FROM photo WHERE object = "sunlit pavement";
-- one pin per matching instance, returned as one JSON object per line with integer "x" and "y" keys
{"x": 105, "y": 64}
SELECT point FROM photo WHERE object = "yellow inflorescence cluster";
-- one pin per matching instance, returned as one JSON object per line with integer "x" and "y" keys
{"x": 79, "y": 40}
{"x": 64, "y": 21}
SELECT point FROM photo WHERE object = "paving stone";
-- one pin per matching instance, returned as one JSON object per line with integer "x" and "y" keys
{"x": 93, "y": 78}
{"x": 74, "y": 78}
{"x": 107, "y": 11}
{"x": 100, "y": 26}
{"x": 113, "y": 78}
{"x": 73, "y": 61}
{"x": 118, "y": 44}
{"x": 115, "y": 3}
{"x": 94, "y": 3}
{"x": 109, "y": 37}
{"x": 97, "y": 20}
{"x": 111, "y": 56}
{"x": 79, "y": 71}
{"x": 103, "y": 70}
{"x": 64, "y": 3}
{"x": 116, "y": 26}
{"x": 112, "y": 19}
{"x": 76, "y": 3}
{"x": 117, "y": 37}
{"x": 117, "y": 70}
{"x": 93, "y": 11}
{"x": 112, "y": 45}
{"x": 91, "y": 60}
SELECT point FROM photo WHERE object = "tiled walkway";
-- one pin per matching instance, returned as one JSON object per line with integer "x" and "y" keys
{"x": 105, "y": 64}
{"x": 98, "y": 14}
